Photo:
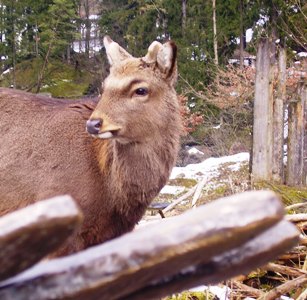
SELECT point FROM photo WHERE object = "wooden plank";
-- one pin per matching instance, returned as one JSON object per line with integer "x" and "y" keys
{"x": 263, "y": 113}
{"x": 278, "y": 119}
{"x": 295, "y": 161}
{"x": 125, "y": 265}
{"x": 29, "y": 234}
{"x": 252, "y": 254}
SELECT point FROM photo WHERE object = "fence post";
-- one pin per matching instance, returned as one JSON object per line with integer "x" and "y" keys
{"x": 263, "y": 112}
{"x": 278, "y": 119}
{"x": 296, "y": 164}
{"x": 304, "y": 100}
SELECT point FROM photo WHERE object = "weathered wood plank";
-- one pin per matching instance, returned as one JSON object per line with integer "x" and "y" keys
{"x": 29, "y": 234}
{"x": 278, "y": 119}
{"x": 295, "y": 161}
{"x": 252, "y": 254}
{"x": 263, "y": 112}
{"x": 136, "y": 260}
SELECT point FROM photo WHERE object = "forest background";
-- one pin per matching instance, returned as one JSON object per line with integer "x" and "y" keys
{"x": 55, "y": 47}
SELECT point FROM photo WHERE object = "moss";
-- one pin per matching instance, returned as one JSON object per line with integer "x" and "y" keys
{"x": 60, "y": 80}
{"x": 289, "y": 195}
{"x": 191, "y": 296}
{"x": 186, "y": 182}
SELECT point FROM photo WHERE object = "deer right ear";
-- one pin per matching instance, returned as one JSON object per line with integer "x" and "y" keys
{"x": 115, "y": 52}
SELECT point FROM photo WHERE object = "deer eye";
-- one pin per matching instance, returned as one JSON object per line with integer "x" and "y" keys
{"x": 141, "y": 92}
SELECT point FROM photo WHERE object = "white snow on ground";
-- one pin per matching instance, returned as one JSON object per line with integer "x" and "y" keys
{"x": 7, "y": 71}
{"x": 172, "y": 190}
{"x": 221, "y": 292}
{"x": 194, "y": 151}
{"x": 209, "y": 167}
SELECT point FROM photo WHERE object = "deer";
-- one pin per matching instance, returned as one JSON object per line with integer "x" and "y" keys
{"x": 113, "y": 155}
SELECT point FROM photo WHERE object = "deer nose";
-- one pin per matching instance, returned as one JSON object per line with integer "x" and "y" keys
{"x": 93, "y": 126}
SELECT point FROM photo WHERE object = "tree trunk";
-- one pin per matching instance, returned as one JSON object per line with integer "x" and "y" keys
{"x": 263, "y": 112}
{"x": 216, "y": 58}
{"x": 241, "y": 36}
{"x": 68, "y": 58}
{"x": 184, "y": 15}
{"x": 278, "y": 119}
{"x": 295, "y": 162}
{"x": 87, "y": 28}
{"x": 42, "y": 72}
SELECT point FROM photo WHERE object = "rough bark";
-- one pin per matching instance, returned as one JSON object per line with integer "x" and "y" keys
{"x": 263, "y": 112}
{"x": 295, "y": 161}
{"x": 304, "y": 100}
{"x": 216, "y": 58}
{"x": 27, "y": 235}
{"x": 278, "y": 119}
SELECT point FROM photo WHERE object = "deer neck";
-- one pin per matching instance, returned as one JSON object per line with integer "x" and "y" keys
{"x": 136, "y": 172}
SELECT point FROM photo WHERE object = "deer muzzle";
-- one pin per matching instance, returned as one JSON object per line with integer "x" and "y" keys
{"x": 102, "y": 128}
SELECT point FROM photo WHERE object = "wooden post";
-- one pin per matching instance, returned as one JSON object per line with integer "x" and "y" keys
{"x": 278, "y": 119}
{"x": 295, "y": 161}
{"x": 263, "y": 112}
{"x": 304, "y": 100}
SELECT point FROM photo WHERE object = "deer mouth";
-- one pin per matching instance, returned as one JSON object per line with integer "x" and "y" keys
{"x": 107, "y": 134}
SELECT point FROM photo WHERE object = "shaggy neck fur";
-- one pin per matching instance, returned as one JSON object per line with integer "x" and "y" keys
{"x": 136, "y": 172}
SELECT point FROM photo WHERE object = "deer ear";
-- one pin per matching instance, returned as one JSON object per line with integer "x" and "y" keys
{"x": 165, "y": 58}
{"x": 115, "y": 52}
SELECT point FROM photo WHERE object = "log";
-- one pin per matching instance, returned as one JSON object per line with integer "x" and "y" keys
{"x": 263, "y": 248}
{"x": 285, "y": 288}
{"x": 174, "y": 248}
{"x": 283, "y": 270}
{"x": 29, "y": 234}
{"x": 246, "y": 290}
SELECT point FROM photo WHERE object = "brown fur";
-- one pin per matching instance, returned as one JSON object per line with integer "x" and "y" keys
{"x": 45, "y": 150}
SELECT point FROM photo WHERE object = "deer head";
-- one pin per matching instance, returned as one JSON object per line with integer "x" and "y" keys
{"x": 138, "y": 95}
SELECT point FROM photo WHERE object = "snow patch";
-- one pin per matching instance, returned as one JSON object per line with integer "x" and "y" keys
{"x": 172, "y": 189}
{"x": 209, "y": 166}
{"x": 221, "y": 292}
{"x": 195, "y": 151}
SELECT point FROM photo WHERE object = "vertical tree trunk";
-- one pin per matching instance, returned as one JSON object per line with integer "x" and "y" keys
{"x": 68, "y": 58}
{"x": 241, "y": 36}
{"x": 88, "y": 28}
{"x": 216, "y": 58}
{"x": 263, "y": 113}
{"x": 184, "y": 15}
{"x": 278, "y": 119}
{"x": 295, "y": 161}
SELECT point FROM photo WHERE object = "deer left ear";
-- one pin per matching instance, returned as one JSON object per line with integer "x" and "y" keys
{"x": 166, "y": 60}
{"x": 166, "y": 57}
{"x": 115, "y": 52}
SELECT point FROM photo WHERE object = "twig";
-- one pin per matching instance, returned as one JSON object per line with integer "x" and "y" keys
{"x": 284, "y": 270}
{"x": 296, "y": 205}
{"x": 284, "y": 288}
{"x": 198, "y": 191}
{"x": 180, "y": 199}
{"x": 303, "y": 295}
{"x": 247, "y": 290}
{"x": 296, "y": 218}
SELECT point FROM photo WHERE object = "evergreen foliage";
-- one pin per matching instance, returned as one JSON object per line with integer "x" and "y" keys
{"x": 47, "y": 29}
